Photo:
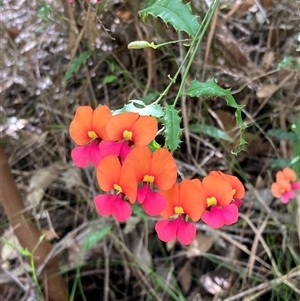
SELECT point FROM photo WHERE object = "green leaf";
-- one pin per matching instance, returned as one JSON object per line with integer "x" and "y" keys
{"x": 280, "y": 163}
{"x": 172, "y": 127}
{"x": 43, "y": 12}
{"x": 176, "y": 13}
{"x": 138, "y": 106}
{"x": 109, "y": 79}
{"x": 95, "y": 237}
{"x": 281, "y": 134}
{"x": 211, "y": 131}
{"x": 212, "y": 89}
{"x": 76, "y": 64}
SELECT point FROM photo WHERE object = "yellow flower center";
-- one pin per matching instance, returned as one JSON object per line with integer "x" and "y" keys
{"x": 233, "y": 191}
{"x": 127, "y": 135}
{"x": 117, "y": 187}
{"x": 148, "y": 178}
{"x": 211, "y": 201}
{"x": 92, "y": 135}
{"x": 178, "y": 210}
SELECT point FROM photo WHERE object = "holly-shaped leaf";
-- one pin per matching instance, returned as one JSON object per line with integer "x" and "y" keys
{"x": 212, "y": 89}
{"x": 172, "y": 128}
{"x": 173, "y": 12}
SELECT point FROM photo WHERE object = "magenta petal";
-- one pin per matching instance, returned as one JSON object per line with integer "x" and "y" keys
{"x": 186, "y": 231}
{"x": 213, "y": 218}
{"x": 113, "y": 204}
{"x": 285, "y": 198}
{"x": 154, "y": 203}
{"x": 237, "y": 202}
{"x": 81, "y": 156}
{"x": 103, "y": 204}
{"x": 142, "y": 193}
{"x": 94, "y": 153}
{"x": 110, "y": 148}
{"x": 125, "y": 150}
{"x": 166, "y": 229}
{"x": 295, "y": 185}
{"x": 230, "y": 214}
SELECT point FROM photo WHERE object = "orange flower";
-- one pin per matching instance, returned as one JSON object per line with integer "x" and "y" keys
{"x": 112, "y": 175}
{"x": 183, "y": 198}
{"x": 158, "y": 167}
{"x": 215, "y": 191}
{"x": 238, "y": 190}
{"x": 89, "y": 124}
{"x": 141, "y": 130}
{"x": 220, "y": 192}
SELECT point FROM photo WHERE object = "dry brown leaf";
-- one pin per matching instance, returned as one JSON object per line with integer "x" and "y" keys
{"x": 201, "y": 244}
{"x": 266, "y": 91}
{"x": 268, "y": 59}
{"x": 40, "y": 180}
{"x": 185, "y": 277}
{"x": 239, "y": 8}
{"x": 230, "y": 47}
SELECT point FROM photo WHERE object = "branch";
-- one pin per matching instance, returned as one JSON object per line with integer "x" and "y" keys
{"x": 28, "y": 235}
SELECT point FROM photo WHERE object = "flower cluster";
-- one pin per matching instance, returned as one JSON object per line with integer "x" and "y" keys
{"x": 129, "y": 171}
{"x": 285, "y": 185}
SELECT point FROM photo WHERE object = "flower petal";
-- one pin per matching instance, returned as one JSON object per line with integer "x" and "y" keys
{"x": 172, "y": 197}
{"x": 230, "y": 214}
{"x": 128, "y": 182}
{"x": 186, "y": 231}
{"x": 276, "y": 190}
{"x": 108, "y": 172}
{"x": 163, "y": 168}
{"x": 289, "y": 174}
{"x": 144, "y": 130}
{"x": 234, "y": 182}
{"x": 81, "y": 156}
{"x": 166, "y": 230}
{"x": 190, "y": 199}
{"x": 215, "y": 186}
{"x": 213, "y": 218}
{"x": 285, "y": 198}
{"x": 117, "y": 124}
{"x": 81, "y": 124}
{"x": 108, "y": 148}
{"x": 94, "y": 153}
{"x": 140, "y": 159}
{"x": 113, "y": 204}
{"x": 101, "y": 116}
{"x": 154, "y": 203}
{"x": 295, "y": 185}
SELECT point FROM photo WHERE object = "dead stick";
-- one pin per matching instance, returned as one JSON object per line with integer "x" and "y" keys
{"x": 27, "y": 234}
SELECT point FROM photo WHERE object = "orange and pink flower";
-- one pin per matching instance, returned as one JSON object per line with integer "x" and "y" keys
{"x": 285, "y": 185}
{"x": 87, "y": 129}
{"x": 182, "y": 203}
{"x": 157, "y": 169}
{"x": 125, "y": 130}
{"x": 112, "y": 176}
{"x": 222, "y": 194}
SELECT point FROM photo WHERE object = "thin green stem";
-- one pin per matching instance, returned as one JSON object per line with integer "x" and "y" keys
{"x": 197, "y": 41}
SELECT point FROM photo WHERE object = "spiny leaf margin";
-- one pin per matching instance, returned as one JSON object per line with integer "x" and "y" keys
{"x": 174, "y": 12}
